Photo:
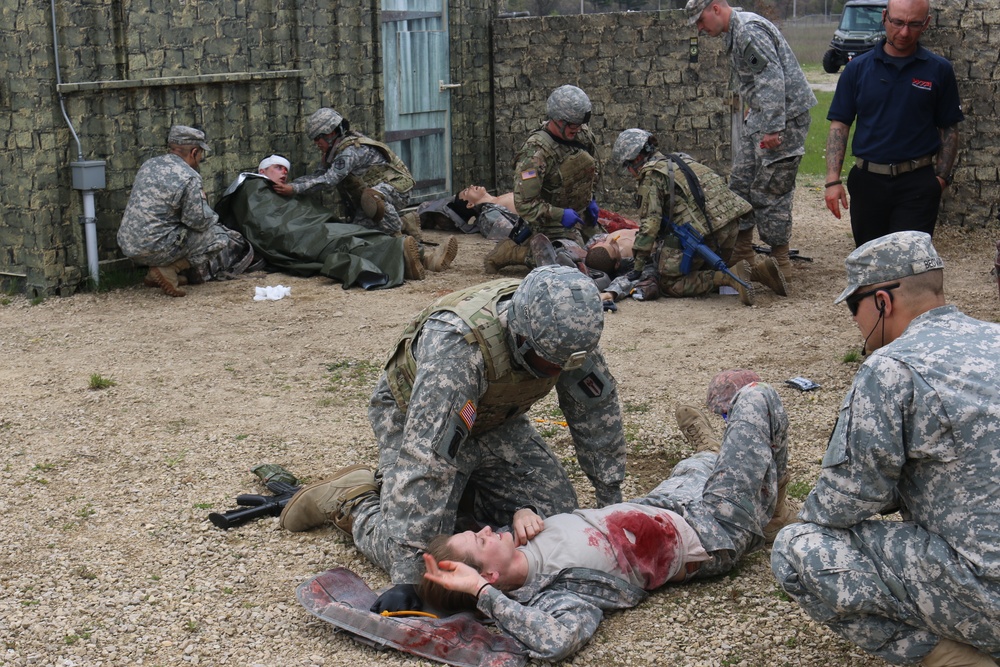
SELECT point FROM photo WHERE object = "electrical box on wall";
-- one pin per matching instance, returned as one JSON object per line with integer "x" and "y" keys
{"x": 88, "y": 175}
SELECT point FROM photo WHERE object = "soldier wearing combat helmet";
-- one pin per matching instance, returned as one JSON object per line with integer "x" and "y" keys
{"x": 450, "y": 416}
{"x": 686, "y": 192}
{"x": 555, "y": 173}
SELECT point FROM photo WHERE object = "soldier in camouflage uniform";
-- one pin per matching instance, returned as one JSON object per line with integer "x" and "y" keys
{"x": 555, "y": 173}
{"x": 777, "y": 97}
{"x": 551, "y": 593}
{"x": 168, "y": 224}
{"x": 665, "y": 189}
{"x": 450, "y": 416}
{"x": 917, "y": 434}
{"x": 368, "y": 175}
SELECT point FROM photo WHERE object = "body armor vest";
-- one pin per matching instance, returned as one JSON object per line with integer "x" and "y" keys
{"x": 511, "y": 391}
{"x": 394, "y": 172}
{"x": 572, "y": 185}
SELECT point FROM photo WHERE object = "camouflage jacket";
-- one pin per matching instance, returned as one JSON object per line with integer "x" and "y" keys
{"x": 554, "y": 616}
{"x": 166, "y": 200}
{"x": 354, "y": 163}
{"x": 551, "y": 176}
{"x": 766, "y": 73}
{"x": 918, "y": 433}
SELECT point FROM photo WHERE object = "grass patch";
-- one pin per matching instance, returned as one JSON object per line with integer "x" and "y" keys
{"x": 799, "y": 489}
{"x": 814, "y": 161}
{"x": 117, "y": 278}
{"x": 37, "y": 300}
{"x": 852, "y": 356}
{"x": 97, "y": 382}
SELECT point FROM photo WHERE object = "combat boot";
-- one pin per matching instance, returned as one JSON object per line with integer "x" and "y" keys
{"x": 742, "y": 271}
{"x": 506, "y": 253}
{"x": 410, "y": 223}
{"x": 744, "y": 247}
{"x": 150, "y": 281}
{"x": 167, "y": 278}
{"x": 373, "y": 204}
{"x": 780, "y": 255}
{"x": 697, "y": 429}
{"x": 413, "y": 267}
{"x": 332, "y": 499}
{"x": 950, "y": 653}
{"x": 785, "y": 512}
{"x": 441, "y": 257}
{"x": 765, "y": 271}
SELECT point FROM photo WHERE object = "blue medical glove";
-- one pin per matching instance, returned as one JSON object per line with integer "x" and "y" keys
{"x": 570, "y": 218}
{"x": 593, "y": 212}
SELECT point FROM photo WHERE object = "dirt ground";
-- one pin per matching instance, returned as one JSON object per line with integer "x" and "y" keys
{"x": 107, "y": 556}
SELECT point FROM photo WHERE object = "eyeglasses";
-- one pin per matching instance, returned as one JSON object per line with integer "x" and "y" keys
{"x": 543, "y": 366}
{"x": 855, "y": 300}
{"x": 912, "y": 25}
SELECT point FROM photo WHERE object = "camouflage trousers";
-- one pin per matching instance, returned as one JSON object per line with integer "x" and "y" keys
{"x": 891, "y": 587}
{"x": 199, "y": 248}
{"x": 391, "y": 222}
{"x": 728, "y": 498}
{"x": 701, "y": 278}
{"x": 496, "y": 473}
{"x": 766, "y": 179}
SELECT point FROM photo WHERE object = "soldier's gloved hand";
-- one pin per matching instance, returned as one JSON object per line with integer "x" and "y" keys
{"x": 570, "y": 218}
{"x": 593, "y": 212}
{"x": 633, "y": 275}
{"x": 401, "y": 597}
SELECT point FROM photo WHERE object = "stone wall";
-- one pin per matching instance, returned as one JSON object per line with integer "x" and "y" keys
{"x": 636, "y": 69}
{"x": 248, "y": 72}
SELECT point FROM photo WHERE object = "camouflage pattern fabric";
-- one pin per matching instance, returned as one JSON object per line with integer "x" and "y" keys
{"x": 357, "y": 162}
{"x": 723, "y": 387}
{"x": 654, "y": 199}
{"x": 168, "y": 218}
{"x": 772, "y": 86}
{"x": 424, "y": 476}
{"x": 917, "y": 433}
{"x": 541, "y": 193}
{"x": 727, "y": 498}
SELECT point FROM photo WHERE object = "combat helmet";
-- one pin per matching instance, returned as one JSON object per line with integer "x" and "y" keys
{"x": 570, "y": 104}
{"x": 627, "y": 147}
{"x": 556, "y": 314}
{"x": 322, "y": 122}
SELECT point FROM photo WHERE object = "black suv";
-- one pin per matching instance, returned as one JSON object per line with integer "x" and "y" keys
{"x": 859, "y": 31}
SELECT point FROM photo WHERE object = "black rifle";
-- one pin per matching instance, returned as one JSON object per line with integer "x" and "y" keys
{"x": 253, "y": 506}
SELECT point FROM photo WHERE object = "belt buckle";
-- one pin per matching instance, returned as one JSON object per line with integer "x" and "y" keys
{"x": 894, "y": 170}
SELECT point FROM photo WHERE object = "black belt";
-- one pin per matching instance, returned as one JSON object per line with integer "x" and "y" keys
{"x": 894, "y": 169}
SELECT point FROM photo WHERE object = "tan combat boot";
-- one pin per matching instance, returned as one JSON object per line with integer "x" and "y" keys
{"x": 411, "y": 224}
{"x": 780, "y": 255}
{"x": 413, "y": 267}
{"x": 332, "y": 499}
{"x": 506, "y": 253}
{"x": 441, "y": 257}
{"x": 744, "y": 247}
{"x": 785, "y": 512}
{"x": 167, "y": 278}
{"x": 373, "y": 204}
{"x": 742, "y": 271}
{"x": 765, "y": 271}
{"x": 950, "y": 653}
{"x": 150, "y": 281}
{"x": 697, "y": 428}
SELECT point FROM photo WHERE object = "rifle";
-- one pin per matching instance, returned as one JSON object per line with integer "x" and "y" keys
{"x": 692, "y": 243}
{"x": 253, "y": 506}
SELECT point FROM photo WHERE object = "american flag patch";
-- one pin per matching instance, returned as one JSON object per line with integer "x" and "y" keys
{"x": 468, "y": 414}
{"x": 530, "y": 173}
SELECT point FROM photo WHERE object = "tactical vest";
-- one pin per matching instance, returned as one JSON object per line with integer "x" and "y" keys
{"x": 572, "y": 185}
{"x": 511, "y": 391}
{"x": 394, "y": 172}
{"x": 721, "y": 204}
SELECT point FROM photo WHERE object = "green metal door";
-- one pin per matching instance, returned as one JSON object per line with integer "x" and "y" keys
{"x": 417, "y": 91}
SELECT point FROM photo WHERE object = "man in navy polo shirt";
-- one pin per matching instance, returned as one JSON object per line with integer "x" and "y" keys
{"x": 905, "y": 99}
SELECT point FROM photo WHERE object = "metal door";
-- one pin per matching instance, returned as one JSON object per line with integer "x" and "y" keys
{"x": 417, "y": 104}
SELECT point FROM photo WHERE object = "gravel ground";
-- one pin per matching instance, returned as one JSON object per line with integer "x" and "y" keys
{"x": 108, "y": 558}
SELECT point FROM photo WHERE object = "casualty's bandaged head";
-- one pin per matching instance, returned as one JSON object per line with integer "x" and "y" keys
{"x": 272, "y": 160}
{"x": 322, "y": 122}
{"x": 694, "y": 8}
{"x": 558, "y": 311}
{"x": 570, "y": 104}
{"x": 724, "y": 386}
{"x": 890, "y": 257}
{"x": 182, "y": 135}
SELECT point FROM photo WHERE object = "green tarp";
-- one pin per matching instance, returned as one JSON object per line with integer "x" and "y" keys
{"x": 300, "y": 237}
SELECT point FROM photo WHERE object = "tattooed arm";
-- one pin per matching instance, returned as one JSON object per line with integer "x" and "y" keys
{"x": 836, "y": 148}
{"x": 946, "y": 156}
